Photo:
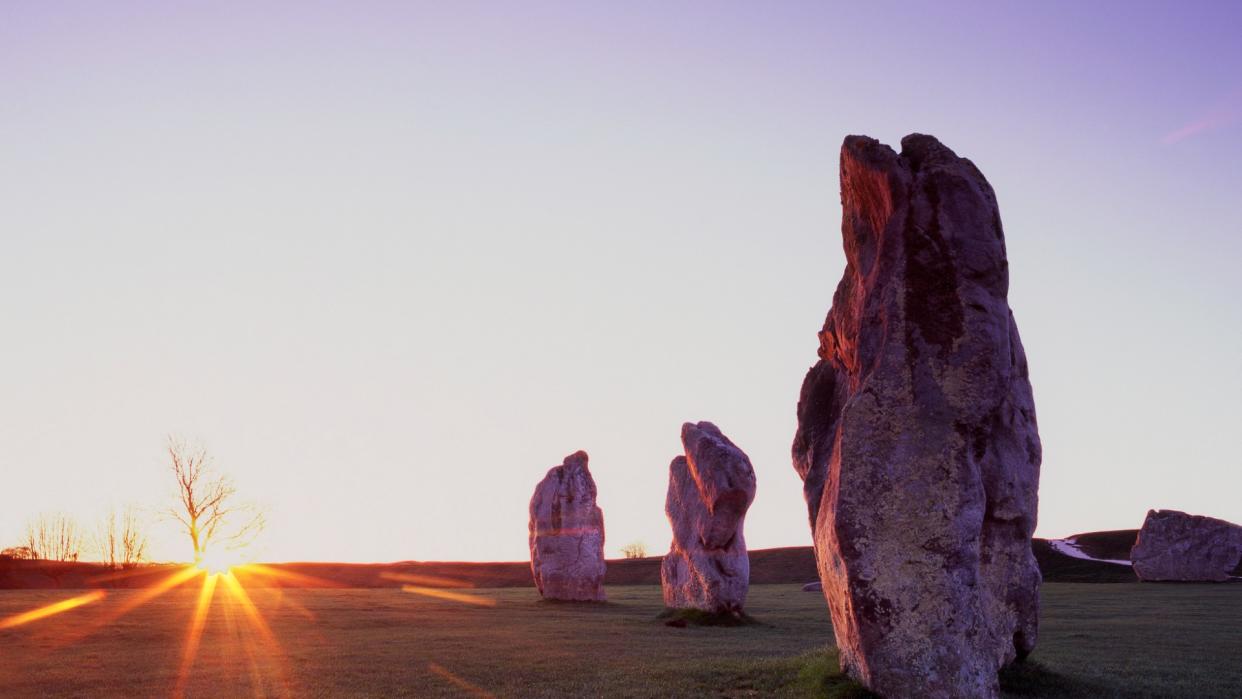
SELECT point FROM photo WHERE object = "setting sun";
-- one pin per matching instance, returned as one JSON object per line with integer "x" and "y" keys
{"x": 222, "y": 561}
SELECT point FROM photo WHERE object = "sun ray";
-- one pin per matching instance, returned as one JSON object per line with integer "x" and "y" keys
{"x": 296, "y": 579}
{"x": 146, "y": 595}
{"x": 285, "y": 600}
{"x": 426, "y": 580}
{"x": 271, "y": 645}
{"x": 195, "y": 633}
{"x": 241, "y": 641}
{"x": 138, "y": 599}
{"x": 52, "y": 609}
{"x": 449, "y": 595}
{"x": 140, "y": 571}
{"x": 252, "y": 612}
{"x": 458, "y": 681}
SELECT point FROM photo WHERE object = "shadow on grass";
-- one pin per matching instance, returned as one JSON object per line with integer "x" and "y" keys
{"x": 681, "y": 618}
{"x": 1031, "y": 679}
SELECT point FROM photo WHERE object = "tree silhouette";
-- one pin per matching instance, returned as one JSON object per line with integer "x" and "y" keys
{"x": 133, "y": 540}
{"x": 206, "y": 504}
{"x": 636, "y": 549}
{"x": 121, "y": 541}
{"x": 54, "y": 537}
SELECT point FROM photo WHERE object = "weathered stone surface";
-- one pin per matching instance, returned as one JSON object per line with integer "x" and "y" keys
{"x": 917, "y": 441}
{"x": 709, "y": 491}
{"x": 567, "y": 533}
{"x": 1173, "y": 545}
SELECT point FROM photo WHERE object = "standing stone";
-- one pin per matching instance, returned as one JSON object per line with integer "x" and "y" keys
{"x": 916, "y": 441}
{"x": 1173, "y": 545}
{"x": 709, "y": 491}
{"x": 567, "y": 534}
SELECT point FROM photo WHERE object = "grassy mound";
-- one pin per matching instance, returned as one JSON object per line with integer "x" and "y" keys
{"x": 681, "y": 618}
{"x": 1114, "y": 544}
{"x": 1058, "y": 567}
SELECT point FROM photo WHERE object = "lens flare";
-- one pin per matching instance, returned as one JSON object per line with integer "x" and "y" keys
{"x": 270, "y": 670}
{"x": 272, "y": 647}
{"x": 195, "y": 634}
{"x": 459, "y": 681}
{"x": 182, "y": 575}
{"x": 426, "y": 580}
{"x": 449, "y": 595}
{"x": 218, "y": 562}
{"x": 281, "y": 577}
{"x": 52, "y": 609}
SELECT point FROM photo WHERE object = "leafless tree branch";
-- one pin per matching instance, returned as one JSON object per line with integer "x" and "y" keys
{"x": 54, "y": 537}
{"x": 206, "y": 507}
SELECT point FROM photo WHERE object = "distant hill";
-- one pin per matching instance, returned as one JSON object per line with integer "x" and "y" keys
{"x": 794, "y": 564}
{"x": 781, "y": 565}
{"x": 1114, "y": 544}
{"x": 1058, "y": 567}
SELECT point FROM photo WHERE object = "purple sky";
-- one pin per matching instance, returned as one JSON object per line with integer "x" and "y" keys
{"x": 391, "y": 261}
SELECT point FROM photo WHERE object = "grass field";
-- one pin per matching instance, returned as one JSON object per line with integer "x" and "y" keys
{"x": 1097, "y": 640}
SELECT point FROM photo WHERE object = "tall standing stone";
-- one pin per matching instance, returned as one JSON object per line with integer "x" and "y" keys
{"x": 917, "y": 442}
{"x": 709, "y": 491}
{"x": 567, "y": 534}
{"x": 1175, "y": 546}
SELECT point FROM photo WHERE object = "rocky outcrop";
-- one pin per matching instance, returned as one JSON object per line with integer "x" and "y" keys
{"x": 916, "y": 441}
{"x": 567, "y": 534}
{"x": 709, "y": 491}
{"x": 1173, "y": 545}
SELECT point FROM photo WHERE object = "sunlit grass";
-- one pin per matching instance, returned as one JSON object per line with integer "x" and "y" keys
{"x": 212, "y": 570}
{"x": 256, "y": 640}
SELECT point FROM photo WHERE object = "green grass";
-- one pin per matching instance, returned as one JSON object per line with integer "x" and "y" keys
{"x": 1144, "y": 640}
{"x": 1097, "y": 640}
{"x": 812, "y": 674}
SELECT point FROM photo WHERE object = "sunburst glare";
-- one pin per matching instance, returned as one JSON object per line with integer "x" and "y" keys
{"x": 219, "y": 561}
{"x": 51, "y": 609}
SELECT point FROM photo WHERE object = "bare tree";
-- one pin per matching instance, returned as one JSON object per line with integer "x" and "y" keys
{"x": 206, "y": 502}
{"x": 133, "y": 540}
{"x": 120, "y": 540}
{"x": 54, "y": 537}
{"x": 636, "y": 549}
{"x": 33, "y": 538}
{"x": 105, "y": 540}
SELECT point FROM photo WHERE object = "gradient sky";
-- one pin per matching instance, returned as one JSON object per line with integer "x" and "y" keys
{"x": 392, "y": 261}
